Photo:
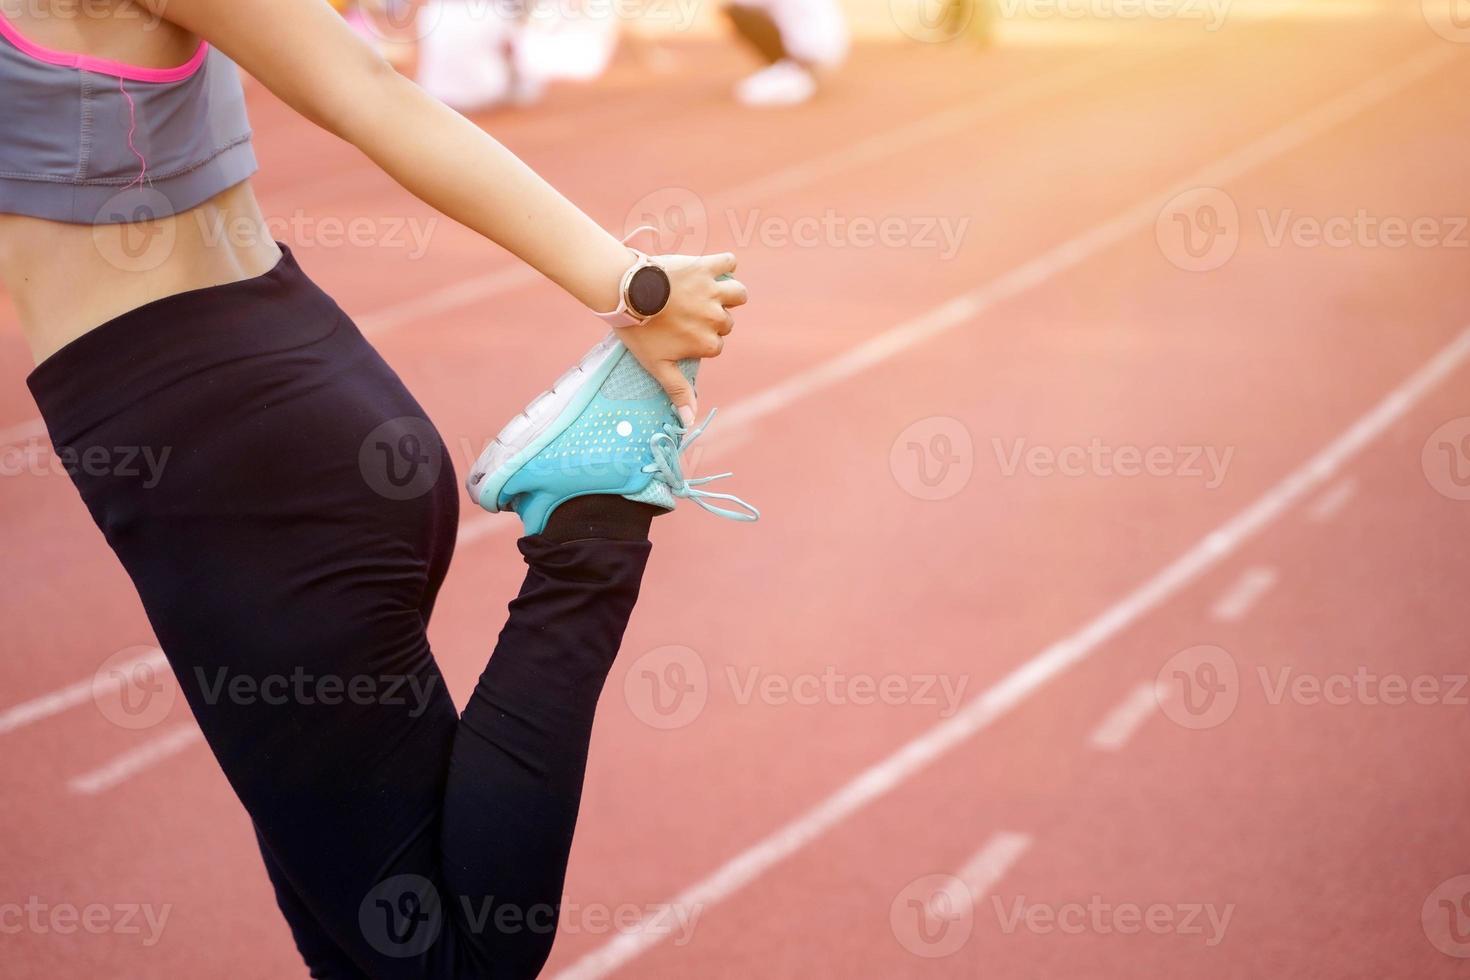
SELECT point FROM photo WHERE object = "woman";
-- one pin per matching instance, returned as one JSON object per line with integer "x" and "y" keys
{"x": 304, "y": 521}
{"x": 797, "y": 39}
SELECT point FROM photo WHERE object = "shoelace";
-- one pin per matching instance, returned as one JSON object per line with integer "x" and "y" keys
{"x": 667, "y": 467}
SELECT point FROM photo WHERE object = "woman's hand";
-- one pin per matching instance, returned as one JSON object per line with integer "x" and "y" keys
{"x": 693, "y": 324}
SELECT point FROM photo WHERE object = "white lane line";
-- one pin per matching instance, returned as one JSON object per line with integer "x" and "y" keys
{"x": 869, "y": 150}
{"x": 1074, "y": 251}
{"x": 1026, "y": 679}
{"x": 170, "y": 743}
{"x": 46, "y": 705}
{"x": 1034, "y": 673}
{"x": 1125, "y": 719}
{"x": 1332, "y": 500}
{"x": 1242, "y": 596}
{"x": 463, "y": 292}
{"x": 980, "y": 874}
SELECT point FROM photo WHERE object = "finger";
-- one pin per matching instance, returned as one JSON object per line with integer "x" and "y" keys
{"x": 731, "y": 293}
{"x": 679, "y": 390}
{"x": 726, "y": 324}
{"x": 721, "y": 265}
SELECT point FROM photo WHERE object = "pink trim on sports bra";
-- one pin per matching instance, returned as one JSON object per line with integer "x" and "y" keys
{"x": 102, "y": 66}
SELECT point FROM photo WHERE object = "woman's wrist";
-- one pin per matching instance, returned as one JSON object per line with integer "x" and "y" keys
{"x": 605, "y": 276}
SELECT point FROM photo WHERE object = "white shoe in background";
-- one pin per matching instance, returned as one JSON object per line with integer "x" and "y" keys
{"x": 782, "y": 84}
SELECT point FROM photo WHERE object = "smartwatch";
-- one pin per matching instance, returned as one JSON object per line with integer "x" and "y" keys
{"x": 644, "y": 291}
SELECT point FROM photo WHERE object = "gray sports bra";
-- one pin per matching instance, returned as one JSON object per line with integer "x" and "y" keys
{"x": 91, "y": 141}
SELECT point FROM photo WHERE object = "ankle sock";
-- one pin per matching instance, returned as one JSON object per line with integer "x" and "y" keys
{"x": 601, "y": 515}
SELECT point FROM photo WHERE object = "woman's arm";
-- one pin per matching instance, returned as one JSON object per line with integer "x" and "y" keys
{"x": 303, "y": 52}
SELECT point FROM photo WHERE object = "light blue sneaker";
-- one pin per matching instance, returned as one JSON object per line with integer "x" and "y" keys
{"x": 605, "y": 426}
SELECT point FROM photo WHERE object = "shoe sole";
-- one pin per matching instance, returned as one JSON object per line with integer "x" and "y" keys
{"x": 540, "y": 422}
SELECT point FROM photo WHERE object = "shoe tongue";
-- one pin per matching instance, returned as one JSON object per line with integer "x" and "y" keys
{"x": 628, "y": 381}
{"x": 656, "y": 493}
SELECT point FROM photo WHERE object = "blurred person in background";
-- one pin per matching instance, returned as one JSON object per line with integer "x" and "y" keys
{"x": 475, "y": 55}
{"x": 465, "y": 53}
{"x": 470, "y": 55}
{"x": 798, "y": 39}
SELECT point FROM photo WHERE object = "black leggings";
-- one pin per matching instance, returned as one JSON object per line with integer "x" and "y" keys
{"x": 288, "y": 551}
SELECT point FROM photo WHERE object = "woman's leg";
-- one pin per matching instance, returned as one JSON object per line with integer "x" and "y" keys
{"x": 289, "y": 580}
{"x": 515, "y": 777}
{"x": 324, "y": 959}
{"x": 476, "y": 890}
{"x": 480, "y": 898}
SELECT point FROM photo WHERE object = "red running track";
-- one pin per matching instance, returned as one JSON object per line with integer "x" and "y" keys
{"x": 1144, "y": 725}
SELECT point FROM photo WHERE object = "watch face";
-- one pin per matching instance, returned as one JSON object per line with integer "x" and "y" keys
{"x": 648, "y": 293}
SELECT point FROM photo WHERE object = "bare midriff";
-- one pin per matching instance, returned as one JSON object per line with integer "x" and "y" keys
{"x": 66, "y": 280}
